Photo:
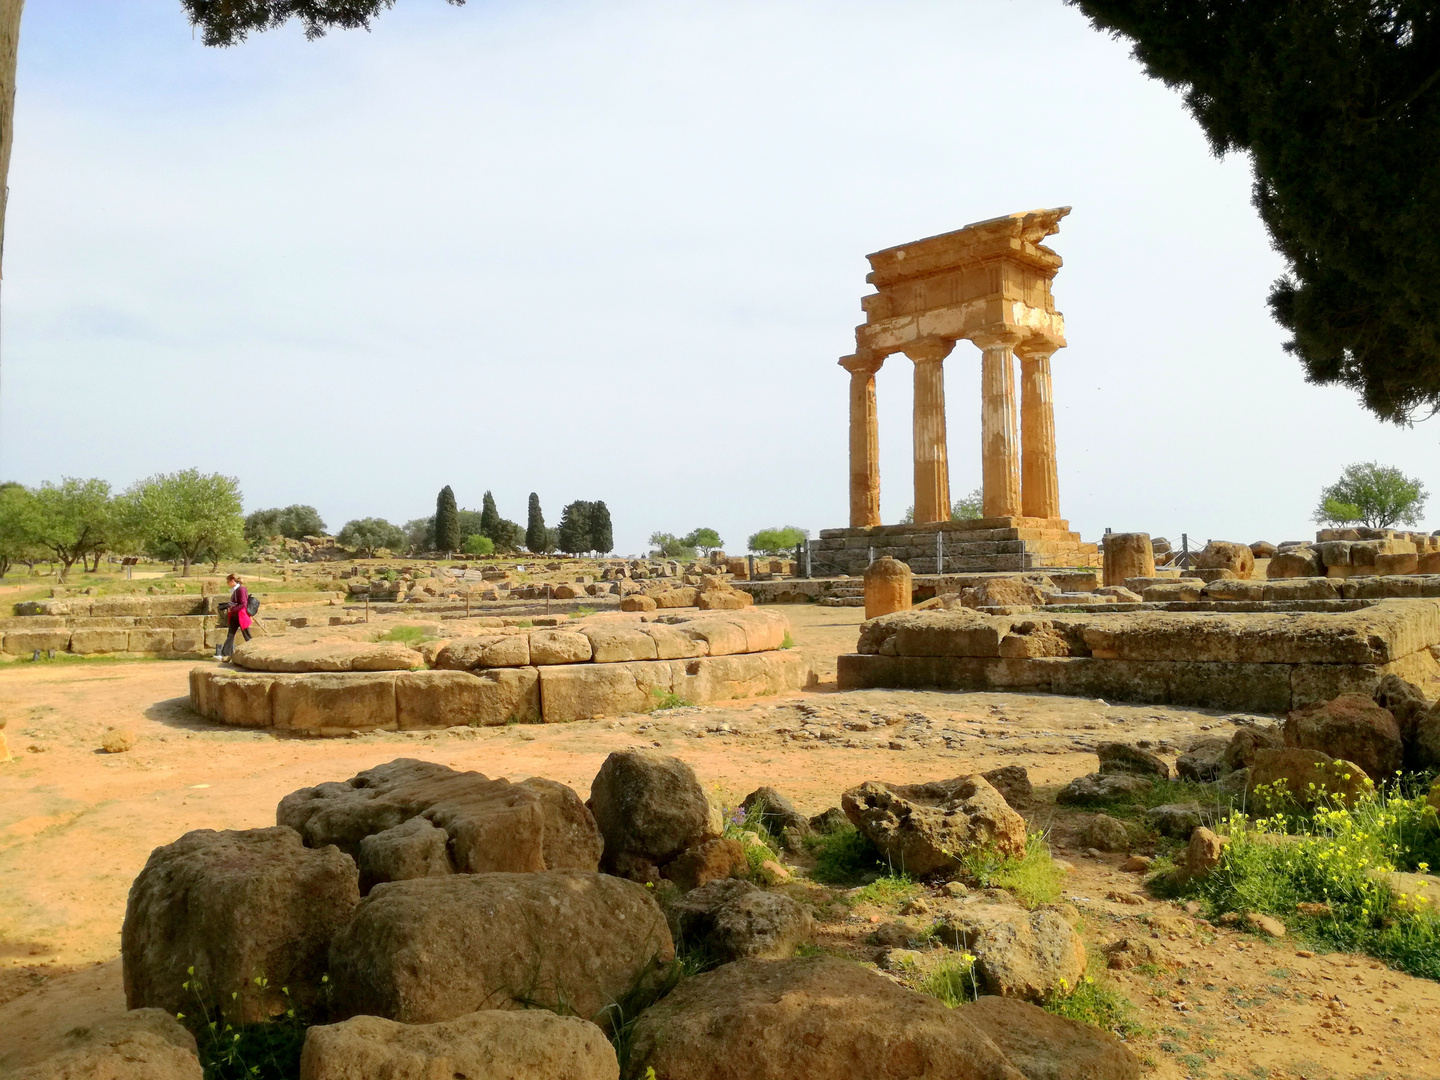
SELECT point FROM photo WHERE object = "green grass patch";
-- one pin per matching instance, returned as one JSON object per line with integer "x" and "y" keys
{"x": 843, "y": 857}
{"x": 1097, "y": 1004}
{"x": 406, "y": 635}
{"x": 951, "y": 981}
{"x": 891, "y": 890}
{"x": 1034, "y": 878}
{"x": 667, "y": 699}
{"x": 79, "y": 658}
{"x": 581, "y": 612}
{"x": 752, "y": 837}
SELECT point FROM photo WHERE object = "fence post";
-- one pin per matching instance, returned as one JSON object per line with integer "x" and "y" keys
{"x": 751, "y": 559}
{"x": 807, "y": 559}
{"x": 939, "y": 553}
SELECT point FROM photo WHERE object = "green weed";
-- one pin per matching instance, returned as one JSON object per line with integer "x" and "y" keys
{"x": 843, "y": 857}
{"x": 668, "y": 699}
{"x": 1034, "y": 878}
{"x": 891, "y": 890}
{"x": 581, "y": 612}
{"x": 406, "y": 635}
{"x": 952, "y": 981}
{"x": 1093, "y": 1002}
{"x": 1159, "y": 793}
{"x": 267, "y": 1051}
{"x": 787, "y": 642}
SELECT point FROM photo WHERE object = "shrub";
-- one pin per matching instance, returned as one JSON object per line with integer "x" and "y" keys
{"x": 1033, "y": 878}
{"x": 777, "y": 541}
{"x": 479, "y": 545}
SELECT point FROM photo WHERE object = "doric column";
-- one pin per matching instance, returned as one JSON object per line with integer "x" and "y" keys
{"x": 999, "y": 447}
{"x": 932, "y": 470}
{"x": 1039, "y": 479}
{"x": 864, "y": 441}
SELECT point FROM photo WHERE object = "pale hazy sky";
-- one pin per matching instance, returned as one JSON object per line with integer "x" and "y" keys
{"x": 613, "y": 248}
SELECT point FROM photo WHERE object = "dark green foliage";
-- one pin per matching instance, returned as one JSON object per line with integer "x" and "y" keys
{"x": 670, "y": 546}
{"x": 777, "y": 541}
{"x": 420, "y": 534}
{"x": 707, "y": 540}
{"x": 535, "y": 525}
{"x": 489, "y": 518}
{"x": 293, "y": 521}
{"x": 229, "y": 22}
{"x": 1374, "y": 495}
{"x": 509, "y": 537}
{"x": 447, "y": 521}
{"x": 574, "y": 532}
{"x": 1338, "y": 103}
{"x": 367, "y": 535}
{"x": 602, "y": 536}
{"x": 843, "y": 857}
{"x": 469, "y": 522}
{"x": 552, "y": 539}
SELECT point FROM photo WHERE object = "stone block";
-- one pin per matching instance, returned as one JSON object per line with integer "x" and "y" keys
{"x": 99, "y": 641}
{"x": 673, "y": 644}
{"x": 25, "y": 642}
{"x": 1301, "y": 588}
{"x": 334, "y": 702}
{"x": 187, "y": 641}
{"x": 239, "y": 698}
{"x": 1128, "y": 555}
{"x": 1235, "y": 589}
{"x": 151, "y": 641}
{"x": 486, "y": 698}
{"x": 1170, "y": 592}
{"x": 587, "y": 691}
{"x": 619, "y": 644}
{"x": 728, "y": 678}
{"x": 1399, "y": 563}
{"x": 559, "y": 647}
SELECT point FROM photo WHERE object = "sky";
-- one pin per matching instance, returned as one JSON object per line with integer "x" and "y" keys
{"x": 612, "y": 249}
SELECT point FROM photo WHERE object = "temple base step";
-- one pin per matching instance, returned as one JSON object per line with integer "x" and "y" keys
{"x": 982, "y": 544}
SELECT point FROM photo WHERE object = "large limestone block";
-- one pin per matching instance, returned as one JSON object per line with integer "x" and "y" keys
{"x": 559, "y": 647}
{"x": 99, "y": 641}
{"x": 285, "y": 654}
{"x": 235, "y": 905}
{"x": 649, "y": 808}
{"x": 239, "y": 698}
{"x": 723, "y": 600}
{"x": 24, "y": 642}
{"x": 1233, "y": 589}
{"x": 488, "y": 1045}
{"x": 482, "y": 698}
{"x": 888, "y": 587}
{"x": 1353, "y": 727}
{"x": 150, "y": 641}
{"x": 1045, "y": 1046}
{"x": 820, "y": 1016}
{"x": 1397, "y": 563}
{"x": 618, "y": 644}
{"x": 412, "y": 849}
{"x": 587, "y": 691}
{"x": 142, "y": 1044}
{"x": 433, "y": 949}
{"x": 1181, "y": 591}
{"x": 334, "y": 702}
{"x": 1128, "y": 555}
{"x": 677, "y": 598}
{"x": 920, "y": 828}
{"x": 485, "y": 651}
{"x": 493, "y": 825}
{"x": 1224, "y": 555}
{"x": 960, "y": 632}
{"x": 1298, "y": 563}
{"x": 732, "y": 920}
{"x": 1018, "y": 953}
{"x": 671, "y": 643}
{"x": 188, "y": 641}
{"x": 1289, "y": 638}
{"x": 732, "y": 678}
{"x": 1299, "y": 587}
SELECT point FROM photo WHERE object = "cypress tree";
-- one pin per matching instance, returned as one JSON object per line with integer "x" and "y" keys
{"x": 447, "y": 521}
{"x": 574, "y": 533}
{"x": 535, "y": 526}
{"x": 489, "y": 518}
{"x": 602, "y": 536}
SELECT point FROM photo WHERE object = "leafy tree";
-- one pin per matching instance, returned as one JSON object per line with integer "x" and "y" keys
{"x": 1334, "y": 101}
{"x": 73, "y": 519}
{"x": 1377, "y": 496}
{"x": 185, "y": 512}
{"x": 447, "y": 521}
{"x": 509, "y": 537}
{"x": 368, "y": 535}
{"x": 777, "y": 541}
{"x": 469, "y": 522}
{"x": 475, "y": 544}
{"x": 970, "y": 508}
{"x": 670, "y": 546}
{"x": 602, "y": 535}
{"x": 552, "y": 539}
{"x": 535, "y": 530}
{"x": 489, "y": 517}
{"x": 707, "y": 540}
{"x": 420, "y": 534}
{"x": 295, "y": 521}
{"x": 18, "y": 522}
{"x": 574, "y": 532}
{"x": 229, "y": 22}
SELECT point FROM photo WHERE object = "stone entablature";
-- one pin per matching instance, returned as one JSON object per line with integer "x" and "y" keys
{"x": 988, "y": 283}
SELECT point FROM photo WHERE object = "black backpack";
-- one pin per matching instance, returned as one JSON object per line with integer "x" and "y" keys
{"x": 252, "y": 605}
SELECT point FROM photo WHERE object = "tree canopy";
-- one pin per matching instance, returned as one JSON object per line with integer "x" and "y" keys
{"x": 447, "y": 521}
{"x": 184, "y": 514}
{"x": 229, "y": 22}
{"x": 369, "y": 535}
{"x": 1376, "y": 496}
{"x": 535, "y": 532}
{"x": 74, "y": 518}
{"x": 294, "y": 521}
{"x": 1338, "y": 104}
{"x": 18, "y": 526}
{"x": 707, "y": 540}
{"x": 670, "y": 546}
{"x": 777, "y": 541}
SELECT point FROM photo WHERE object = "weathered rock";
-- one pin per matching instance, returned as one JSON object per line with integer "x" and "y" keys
{"x": 815, "y": 1017}
{"x": 713, "y": 860}
{"x": 831, "y": 820}
{"x": 1240, "y": 754}
{"x": 638, "y": 602}
{"x": 492, "y": 825}
{"x": 1298, "y": 563}
{"x": 1116, "y": 757}
{"x": 1175, "y": 819}
{"x": 489, "y": 1045}
{"x": 723, "y": 600}
{"x": 1131, "y": 952}
{"x": 1262, "y": 549}
{"x": 118, "y": 740}
{"x": 1307, "y": 776}
{"x": 774, "y": 811}
{"x": 649, "y": 808}
{"x": 1013, "y": 783}
{"x": 733, "y": 920}
{"x": 613, "y": 644}
{"x": 564, "y": 592}
{"x": 1119, "y": 594}
{"x": 677, "y": 598}
{"x": 1352, "y": 727}
{"x": 412, "y": 849}
{"x": 1205, "y": 761}
{"x": 1224, "y": 555}
{"x": 1423, "y": 749}
{"x": 1009, "y": 592}
{"x": 1128, "y": 555}
{"x": 888, "y": 587}
{"x": 1107, "y": 833}
{"x": 433, "y": 949}
{"x": 559, "y": 647}
{"x": 234, "y": 905}
{"x": 1403, "y": 700}
{"x": 143, "y": 1044}
{"x": 1101, "y": 787}
{"x": 485, "y": 651}
{"x": 1018, "y": 953}
{"x": 1044, "y": 1046}
{"x": 920, "y": 828}
{"x": 1203, "y": 853}
{"x": 286, "y": 654}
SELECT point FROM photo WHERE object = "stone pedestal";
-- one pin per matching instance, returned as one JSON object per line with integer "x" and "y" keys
{"x": 932, "y": 470}
{"x": 1128, "y": 555}
{"x": 888, "y": 587}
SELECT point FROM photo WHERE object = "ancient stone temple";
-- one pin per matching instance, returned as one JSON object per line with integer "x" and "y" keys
{"x": 988, "y": 283}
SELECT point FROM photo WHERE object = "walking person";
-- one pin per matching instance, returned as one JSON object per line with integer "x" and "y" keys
{"x": 237, "y": 616}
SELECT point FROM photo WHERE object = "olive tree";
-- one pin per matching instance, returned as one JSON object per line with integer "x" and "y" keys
{"x": 185, "y": 514}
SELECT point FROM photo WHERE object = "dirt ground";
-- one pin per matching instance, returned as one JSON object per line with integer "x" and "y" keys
{"x": 76, "y": 826}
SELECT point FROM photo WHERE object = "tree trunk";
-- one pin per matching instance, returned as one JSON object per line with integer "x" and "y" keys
{"x": 9, "y": 44}
{"x": 186, "y": 563}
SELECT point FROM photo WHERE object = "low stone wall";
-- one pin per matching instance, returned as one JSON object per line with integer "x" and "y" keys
{"x": 1258, "y": 662}
{"x": 149, "y": 606}
{"x": 986, "y": 544}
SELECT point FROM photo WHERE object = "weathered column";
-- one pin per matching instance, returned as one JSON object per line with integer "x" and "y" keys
{"x": 864, "y": 441}
{"x": 932, "y": 469}
{"x": 999, "y": 447}
{"x": 1039, "y": 479}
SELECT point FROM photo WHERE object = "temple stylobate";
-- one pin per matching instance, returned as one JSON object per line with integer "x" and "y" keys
{"x": 988, "y": 283}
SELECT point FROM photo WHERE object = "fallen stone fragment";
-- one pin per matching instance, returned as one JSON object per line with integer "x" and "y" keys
{"x": 732, "y": 920}
{"x": 649, "y": 808}
{"x": 1116, "y": 757}
{"x": 1018, "y": 953}
{"x": 1044, "y": 1046}
{"x": 921, "y": 828}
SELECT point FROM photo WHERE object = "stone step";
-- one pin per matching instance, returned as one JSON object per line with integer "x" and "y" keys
{"x": 843, "y": 601}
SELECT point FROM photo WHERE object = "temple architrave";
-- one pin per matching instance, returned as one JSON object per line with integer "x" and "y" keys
{"x": 988, "y": 283}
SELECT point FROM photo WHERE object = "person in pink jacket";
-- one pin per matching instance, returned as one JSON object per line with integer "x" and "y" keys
{"x": 237, "y": 615}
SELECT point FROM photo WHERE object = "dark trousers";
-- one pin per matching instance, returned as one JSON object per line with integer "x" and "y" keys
{"x": 229, "y": 646}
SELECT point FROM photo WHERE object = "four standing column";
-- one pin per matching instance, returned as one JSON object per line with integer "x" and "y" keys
{"x": 1040, "y": 482}
{"x": 932, "y": 469}
{"x": 864, "y": 442}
